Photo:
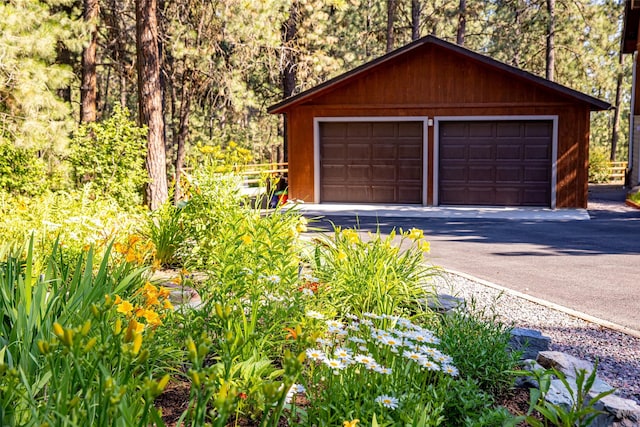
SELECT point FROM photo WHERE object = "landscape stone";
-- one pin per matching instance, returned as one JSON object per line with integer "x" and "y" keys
{"x": 530, "y": 341}
{"x": 528, "y": 381}
{"x": 183, "y": 296}
{"x": 564, "y": 363}
{"x": 618, "y": 412}
{"x": 444, "y": 303}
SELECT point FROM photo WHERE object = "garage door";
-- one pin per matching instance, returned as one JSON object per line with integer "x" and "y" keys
{"x": 504, "y": 163}
{"x": 371, "y": 162}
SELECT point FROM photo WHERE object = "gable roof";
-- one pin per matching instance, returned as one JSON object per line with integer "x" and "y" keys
{"x": 595, "y": 104}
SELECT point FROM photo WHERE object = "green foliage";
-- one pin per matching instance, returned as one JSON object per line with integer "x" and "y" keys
{"x": 478, "y": 343}
{"x": 74, "y": 219}
{"x": 21, "y": 170}
{"x": 110, "y": 156}
{"x": 50, "y": 373}
{"x": 373, "y": 274}
{"x": 165, "y": 230}
{"x": 599, "y": 165}
{"x": 582, "y": 410}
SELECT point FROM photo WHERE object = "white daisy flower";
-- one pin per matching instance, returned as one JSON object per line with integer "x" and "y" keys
{"x": 314, "y": 314}
{"x": 429, "y": 365}
{"x": 387, "y": 401}
{"x": 322, "y": 341}
{"x": 450, "y": 369}
{"x": 383, "y": 370}
{"x": 342, "y": 353}
{"x": 412, "y": 355}
{"x": 315, "y": 354}
{"x": 357, "y": 340}
{"x": 335, "y": 324}
{"x": 392, "y": 341}
{"x": 364, "y": 359}
{"x": 334, "y": 364}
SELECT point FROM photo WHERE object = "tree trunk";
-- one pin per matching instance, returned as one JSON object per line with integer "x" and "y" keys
{"x": 391, "y": 21}
{"x": 290, "y": 64}
{"x": 462, "y": 22}
{"x": 616, "y": 111}
{"x": 150, "y": 101}
{"x": 88, "y": 90}
{"x": 551, "y": 54}
{"x": 183, "y": 132}
{"x": 415, "y": 19}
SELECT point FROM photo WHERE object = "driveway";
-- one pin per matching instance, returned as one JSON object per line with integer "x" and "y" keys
{"x": 591, "y": 266}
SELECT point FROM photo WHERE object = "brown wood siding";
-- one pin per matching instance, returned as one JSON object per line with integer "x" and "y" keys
{"x": 434, "y": 76}
{"x": 435, "y": 82}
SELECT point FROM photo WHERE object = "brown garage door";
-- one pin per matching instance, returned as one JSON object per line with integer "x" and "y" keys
{"x": 371, "y": 162}
{"x": 504, "y": 163}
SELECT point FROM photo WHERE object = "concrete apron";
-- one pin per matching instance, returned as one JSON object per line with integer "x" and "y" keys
{"x": 414, "y": 211}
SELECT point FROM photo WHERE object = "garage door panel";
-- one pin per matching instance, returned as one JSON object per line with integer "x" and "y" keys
{"x": 353, "y": 130}
{"x": 381, "y": 162}
{"x": 537, "y": 152}
{"x": 383, "y": 130}
{"x": 454, "y": 152}
{"x": 339, "y": 130}
{"x": 508, "y": 197}
{"x": 358, "y": 172}
{"x": 410, "y": 151}
{"x": 335, "y": 152}
{"x": 454, "y": 174}
{"x": 508, "y": 152}
{"x": 508, "y": 129}
{"x": 480, "y": 130}
{"x": 538, "y": 129}
{"x": 481, "y": 195}
{"x": 335, "y": 173}
{"x": 410, "y": 173}
{"x": 384, "y": 151}
{"x": 410, "y": 129}
{"x": 383, "y": 173}
{"x": 481, "y": 173}
{"x": 534, "y": 198}
{"x": 382, "y": 194}
{"x": 358, "y": 151}
{"x": 480, "y": 152}
{"x": 411, "y": 194}
{"x": 508, "y": 174}
{"x": 499, "y": 163}
{"x": 537, "y": 174}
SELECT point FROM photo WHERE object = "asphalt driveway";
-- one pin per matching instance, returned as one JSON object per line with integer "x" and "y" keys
{"x": 591, "y": 266}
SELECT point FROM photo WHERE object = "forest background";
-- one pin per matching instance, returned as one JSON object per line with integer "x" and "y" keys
{"x": 200, "y": 74}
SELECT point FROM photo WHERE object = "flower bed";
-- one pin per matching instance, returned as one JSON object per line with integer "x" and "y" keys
{"x": 290, "y": 331}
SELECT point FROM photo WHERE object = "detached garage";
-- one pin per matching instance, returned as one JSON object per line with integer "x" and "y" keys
{"x": 436, "y": 124}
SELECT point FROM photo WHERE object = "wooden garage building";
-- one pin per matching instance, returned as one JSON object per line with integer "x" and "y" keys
{"x": 433, "y": 123}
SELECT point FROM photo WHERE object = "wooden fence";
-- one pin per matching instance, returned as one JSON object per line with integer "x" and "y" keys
{"x": 617, "y": 172}
{"x": 260, "y": 172}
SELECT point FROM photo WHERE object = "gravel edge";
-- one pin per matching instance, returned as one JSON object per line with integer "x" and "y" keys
{"x": 617, "y": 353}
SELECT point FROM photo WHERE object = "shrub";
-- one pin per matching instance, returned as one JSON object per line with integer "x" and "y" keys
{"x": 598, "y": 165}
{"x": 110, "y": 155}
{"x": 22, "y": 172}
{"x": 374, "y": 274}
{"x": 478, "y": 343}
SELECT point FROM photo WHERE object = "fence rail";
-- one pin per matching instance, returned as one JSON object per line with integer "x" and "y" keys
{"x": 617, "y": 171}
{"x": 256, "y": 173}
